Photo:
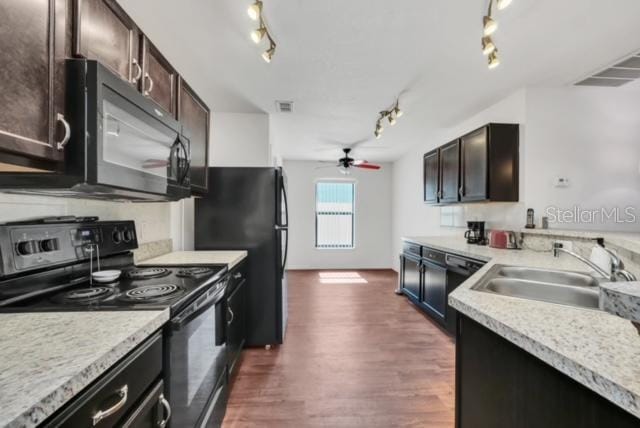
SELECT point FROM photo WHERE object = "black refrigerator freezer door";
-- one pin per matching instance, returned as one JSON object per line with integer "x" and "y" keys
{"x": 242, "y": 211}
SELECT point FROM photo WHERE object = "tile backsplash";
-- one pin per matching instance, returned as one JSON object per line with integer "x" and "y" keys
{"x": 153, "y": 220}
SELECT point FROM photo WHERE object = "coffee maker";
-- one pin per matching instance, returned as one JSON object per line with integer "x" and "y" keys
{"x": 476, "y": 233}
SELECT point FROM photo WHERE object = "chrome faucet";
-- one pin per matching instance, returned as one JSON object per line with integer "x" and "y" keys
{"x": 617, "y": 267}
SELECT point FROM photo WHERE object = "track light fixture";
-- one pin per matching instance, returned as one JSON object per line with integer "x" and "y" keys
{"x": 503, "y": 4}
{"x": 489, "y": 26}
{"x": 257, "y": 35}
{"x": 255, "y": 10}
{"x": 391, "y": 115}
{"x": 494, "y": 60}
{"x": 487, "y": 46}
{"x": 268, "y": 54}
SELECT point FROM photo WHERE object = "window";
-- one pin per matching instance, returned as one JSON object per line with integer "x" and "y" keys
{"x": 334, "y": 214}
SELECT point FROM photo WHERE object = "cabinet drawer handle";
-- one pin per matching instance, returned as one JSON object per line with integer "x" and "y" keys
{"x": 232, "y": 316}
{"x": 67, "y": 131}
{"x": 150, "y": 80}
{"x": 101, "y": 414}
{"x": 167, "y": 411}
{"x": 237, "y": 275}
{"x": 138, "y": 73}
{"x": 461, "y": 191}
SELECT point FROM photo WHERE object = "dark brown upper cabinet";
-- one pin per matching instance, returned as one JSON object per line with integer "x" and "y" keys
{"x": 490, "y": 164}
{"x": 159, "y": 79}
{"x": 194, "y": 115}
{"x": 480, "y": 166}
{"x": 431, "y": 176}
{"x": 104, "y": 32}
{"x": 33, "y": 128}
{"x": 450, "y": 172}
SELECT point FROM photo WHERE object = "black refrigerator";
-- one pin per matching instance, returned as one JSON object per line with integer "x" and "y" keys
{"x": 246, "y": 209}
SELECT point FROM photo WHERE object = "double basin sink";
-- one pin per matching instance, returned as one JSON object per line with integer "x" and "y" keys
{"x": 554, "y": 286}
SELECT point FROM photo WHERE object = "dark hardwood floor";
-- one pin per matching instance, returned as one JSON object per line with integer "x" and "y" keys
{"x": 355, "y": 355}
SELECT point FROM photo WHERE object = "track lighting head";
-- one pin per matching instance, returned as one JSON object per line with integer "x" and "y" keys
{"x": 392, "y": 118}
{"x": 377, "y": 134}
{"x": 258, "y": 34}
{"x": 379, "y": 128}
{"x": 487, "y": 46}
{"x": 490, "y": 25}
{"x": 494, "y": 60}
{"x": 268, "y": 54}
{"x": 397, "y": 112}
{"x": 503, "y": 4}
{"x": 255, "y": 10}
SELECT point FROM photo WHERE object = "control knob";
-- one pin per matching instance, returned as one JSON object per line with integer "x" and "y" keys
{"x": 26, "y": 248}
{"x": 117, "y": 236}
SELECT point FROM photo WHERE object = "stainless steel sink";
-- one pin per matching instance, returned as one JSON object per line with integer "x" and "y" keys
{"x": 554, "y": 286}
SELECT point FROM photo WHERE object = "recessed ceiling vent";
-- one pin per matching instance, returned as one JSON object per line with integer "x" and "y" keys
{"x": 618, "y": 75}
{"x": 284, "y": 106}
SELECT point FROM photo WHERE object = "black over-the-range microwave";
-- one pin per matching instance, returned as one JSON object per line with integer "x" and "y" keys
{"x": 122, "y": 145}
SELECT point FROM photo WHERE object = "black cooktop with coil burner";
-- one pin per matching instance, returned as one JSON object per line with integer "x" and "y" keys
{"x": 137, "y": 288}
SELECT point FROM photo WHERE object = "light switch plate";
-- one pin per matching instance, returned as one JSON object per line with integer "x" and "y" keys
{"x": 561, "y": 181}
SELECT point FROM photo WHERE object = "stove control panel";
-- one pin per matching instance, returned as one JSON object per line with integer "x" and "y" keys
{"x": 28, "y": 247}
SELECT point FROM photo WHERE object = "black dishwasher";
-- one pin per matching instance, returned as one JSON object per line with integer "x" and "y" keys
{"x": 459, "y": 269}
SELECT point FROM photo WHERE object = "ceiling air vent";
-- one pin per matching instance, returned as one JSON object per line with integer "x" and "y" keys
{"x": 284, "y": 106}
{"x": 622, "y": 73}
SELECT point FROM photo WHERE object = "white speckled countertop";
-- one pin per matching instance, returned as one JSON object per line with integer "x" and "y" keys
{"x": 229, "y": 258}
{"x": 48, "y": 358}
{"x": 597, "y": 349}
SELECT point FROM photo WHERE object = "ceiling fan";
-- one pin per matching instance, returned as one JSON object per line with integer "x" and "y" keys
{"x": 346, "y": 163}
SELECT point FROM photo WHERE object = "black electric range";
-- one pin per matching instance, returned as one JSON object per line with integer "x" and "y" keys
{"x": 46, "y": 266}
{"x": 137, "y": 288}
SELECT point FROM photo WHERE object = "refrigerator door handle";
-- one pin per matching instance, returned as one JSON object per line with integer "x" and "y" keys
{"x": 286, "y": 205}
{"x": 279, "y": 227}
{"x": 286, "y": 251}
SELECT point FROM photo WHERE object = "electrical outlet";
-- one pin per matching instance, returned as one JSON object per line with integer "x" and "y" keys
{"x": 560, "y": 181}
{"x": 567, "y": 245}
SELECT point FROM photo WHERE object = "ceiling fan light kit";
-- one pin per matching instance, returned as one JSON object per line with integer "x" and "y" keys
{"x": 489, "y": 27}
{"x": 346, "y": 163}
{"x": 255, "y": 13}
{"x": 391, "y": 115}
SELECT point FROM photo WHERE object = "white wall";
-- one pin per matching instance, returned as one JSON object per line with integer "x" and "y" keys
{"x": 372, "y": 221}
{"x": 589, "y": 135}
{"x": 239, "y": 139}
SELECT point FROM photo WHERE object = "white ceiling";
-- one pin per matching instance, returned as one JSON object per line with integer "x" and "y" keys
{"x": 342, "y": 61}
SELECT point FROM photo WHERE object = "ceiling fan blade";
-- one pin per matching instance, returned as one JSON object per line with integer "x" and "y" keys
{"x": 368, "y": 166}
{"x": 359, "y": 162}
{"x": 327, "y": 166}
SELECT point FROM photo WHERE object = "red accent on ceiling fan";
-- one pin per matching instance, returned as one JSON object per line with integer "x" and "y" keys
{"x": 368, "y": 166}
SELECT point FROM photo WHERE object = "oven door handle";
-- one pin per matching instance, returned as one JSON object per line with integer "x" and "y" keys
{"x": 179, "y": 322}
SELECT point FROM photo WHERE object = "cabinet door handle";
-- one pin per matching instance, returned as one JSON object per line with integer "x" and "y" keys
{"x": 232, "y": 316}
{"x": 237, "y": 275}
{"x": 138, "y": 73}
{"x": 123, "y": 393}
{"x": 461, "y": 191}
{"x": 167, "y": 411}
{"x": 67, "y": 132}
{"x": 150, "y": 80}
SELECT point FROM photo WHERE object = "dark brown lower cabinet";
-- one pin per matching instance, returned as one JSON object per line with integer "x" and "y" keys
{"x": 32, "y": 46}
{"x": 129, "y": 394}
{"x": 499, "y": 385}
